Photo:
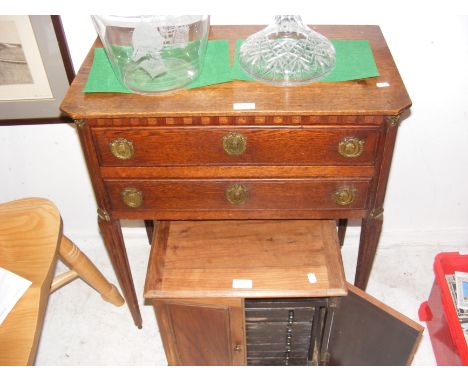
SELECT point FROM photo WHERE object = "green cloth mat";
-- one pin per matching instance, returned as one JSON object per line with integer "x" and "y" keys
{"x": 354, "y": 61}
{"x": 216, "y": 70}
{"x": 101, "y": 77}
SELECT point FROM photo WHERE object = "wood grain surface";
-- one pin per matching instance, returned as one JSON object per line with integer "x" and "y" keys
{"x": 264, "y": 146}
{"x": 361, "y": 97}
{"x": 201, "y": 259}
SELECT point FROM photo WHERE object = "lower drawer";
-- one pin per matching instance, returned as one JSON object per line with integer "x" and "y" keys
{"x": 277, "y": 361}
{"x": 239, "y": 194}
{"x": 276, "y": 332}
{"x": 276, "y": 351}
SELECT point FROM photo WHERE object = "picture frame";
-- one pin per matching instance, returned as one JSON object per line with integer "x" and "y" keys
{"x": 37, "y": 69}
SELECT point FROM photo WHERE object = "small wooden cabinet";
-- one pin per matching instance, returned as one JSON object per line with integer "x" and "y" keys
{"x": 319, "y": 151}
{"x": 267, "y": 293}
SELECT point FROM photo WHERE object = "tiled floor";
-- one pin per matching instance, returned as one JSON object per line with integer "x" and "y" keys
{"x": 81, "y": 329}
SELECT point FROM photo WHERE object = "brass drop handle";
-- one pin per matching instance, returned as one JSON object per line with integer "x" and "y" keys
{"x": 122, "y": 148}
{"x": 237, "y": 194}
{"x": 132, "y": 197}
{"x": 238, "y": 348}
{"x": 234, "y": 144}
{"x": 351, "y": 147}
{"x": 344, "y": 196}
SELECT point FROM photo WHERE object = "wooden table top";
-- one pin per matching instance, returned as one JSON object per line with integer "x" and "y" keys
{"x": 358, "y": 97}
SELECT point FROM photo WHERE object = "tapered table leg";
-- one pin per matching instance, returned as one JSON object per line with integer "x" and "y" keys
{"x": 372, "y": 225}
{"x": 149, "y": 225}
{"x": 113, "y": 239}
{"x": 342, "y": 224}
{"x": 370, "y": 234}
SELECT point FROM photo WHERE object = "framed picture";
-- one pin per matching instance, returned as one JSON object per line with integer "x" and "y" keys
{"x": 35, "y": 69}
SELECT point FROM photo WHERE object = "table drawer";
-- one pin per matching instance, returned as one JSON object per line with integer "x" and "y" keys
{"x": 275, "y": 332}
{"x": 275, "y": 351}
{"x": 231, "y": 195}
{"x": 254, "y": 315}
{"x": 281, "y": 309}
{"x": 295, "y": 361}
{"x": 231, "y": 146}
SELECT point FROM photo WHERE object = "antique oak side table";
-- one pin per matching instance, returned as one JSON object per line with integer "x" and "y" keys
{"x": 320, "y": 151}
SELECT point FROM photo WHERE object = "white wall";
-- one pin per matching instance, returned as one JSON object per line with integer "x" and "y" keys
{"x": 427, "y": 192}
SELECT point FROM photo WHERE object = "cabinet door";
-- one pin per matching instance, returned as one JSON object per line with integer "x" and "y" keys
{"x": 366, "y": 332}
{"x": 202, "y": 332}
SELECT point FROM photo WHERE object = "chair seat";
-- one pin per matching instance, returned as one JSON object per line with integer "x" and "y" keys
{"x": 30, "y": 230}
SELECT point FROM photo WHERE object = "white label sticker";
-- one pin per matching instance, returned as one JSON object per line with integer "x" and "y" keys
{"x": 243, "y": 106}
{"x": 238, "y": 283}
{"x": 382, "y": 84}
{"x": 311, "y": 277}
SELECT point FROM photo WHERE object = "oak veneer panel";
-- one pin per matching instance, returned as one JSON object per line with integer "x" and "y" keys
{"x": 239, "y": 214}
{"x": 360, "y": 97}
{"x": 264, "y": 146}
{"x": 266, "y": 194}
{"x": 201, "y": 259}
{"x": 213, "y": 172}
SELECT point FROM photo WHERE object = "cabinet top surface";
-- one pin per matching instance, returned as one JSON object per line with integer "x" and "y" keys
{"x": 358, "y": 97}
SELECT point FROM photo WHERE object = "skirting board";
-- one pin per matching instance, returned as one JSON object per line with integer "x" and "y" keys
{"x": 454, "y": 239}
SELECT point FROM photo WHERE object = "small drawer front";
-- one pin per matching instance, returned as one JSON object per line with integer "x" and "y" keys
{"x": 277, "y": 350}
{"x": 278, "y": 315}
{"x": 238, "y": 195}
{"x": 274, "y": 332}
{"x": 283, "y": 304}
{"x": 231, "y": 146}
{"x": 277, "y": 361}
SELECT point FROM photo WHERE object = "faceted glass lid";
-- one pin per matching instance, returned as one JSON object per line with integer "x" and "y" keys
{"x": 287, "y": 52}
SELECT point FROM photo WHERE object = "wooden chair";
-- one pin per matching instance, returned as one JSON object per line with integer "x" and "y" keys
{"x": 30, "y": 239}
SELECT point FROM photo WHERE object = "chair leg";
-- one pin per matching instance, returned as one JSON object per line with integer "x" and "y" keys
{"x": 80, "y": 263}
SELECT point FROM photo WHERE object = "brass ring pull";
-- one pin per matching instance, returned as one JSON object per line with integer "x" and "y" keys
{"x": 132, "y": 197}
{"x": 344, "y": 196}
{"x": 237, "y": 194}
{"x": 351, "y": 147}
{"x": 122, "y": 148}
{"x": 234, "y": 144}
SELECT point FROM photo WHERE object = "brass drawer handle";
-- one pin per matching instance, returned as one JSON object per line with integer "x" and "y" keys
{"x": 237, "y": 194}
{"x": 122, "y": 148}
{"x": 351, "y": 147}
{"x": 238, "y": 348}
{"x": 132, "y": 197}
{"x": 344, "y": 196}
{"x": 234, "y": 144}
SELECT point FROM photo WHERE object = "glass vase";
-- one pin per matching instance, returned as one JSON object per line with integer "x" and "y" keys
{"x": 154, "y": 54}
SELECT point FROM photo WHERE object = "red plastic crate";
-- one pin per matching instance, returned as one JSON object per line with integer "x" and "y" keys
{"x": 438, "y": 311}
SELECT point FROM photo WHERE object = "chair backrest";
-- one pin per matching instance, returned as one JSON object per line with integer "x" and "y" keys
{"x": 30, "y": 230}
